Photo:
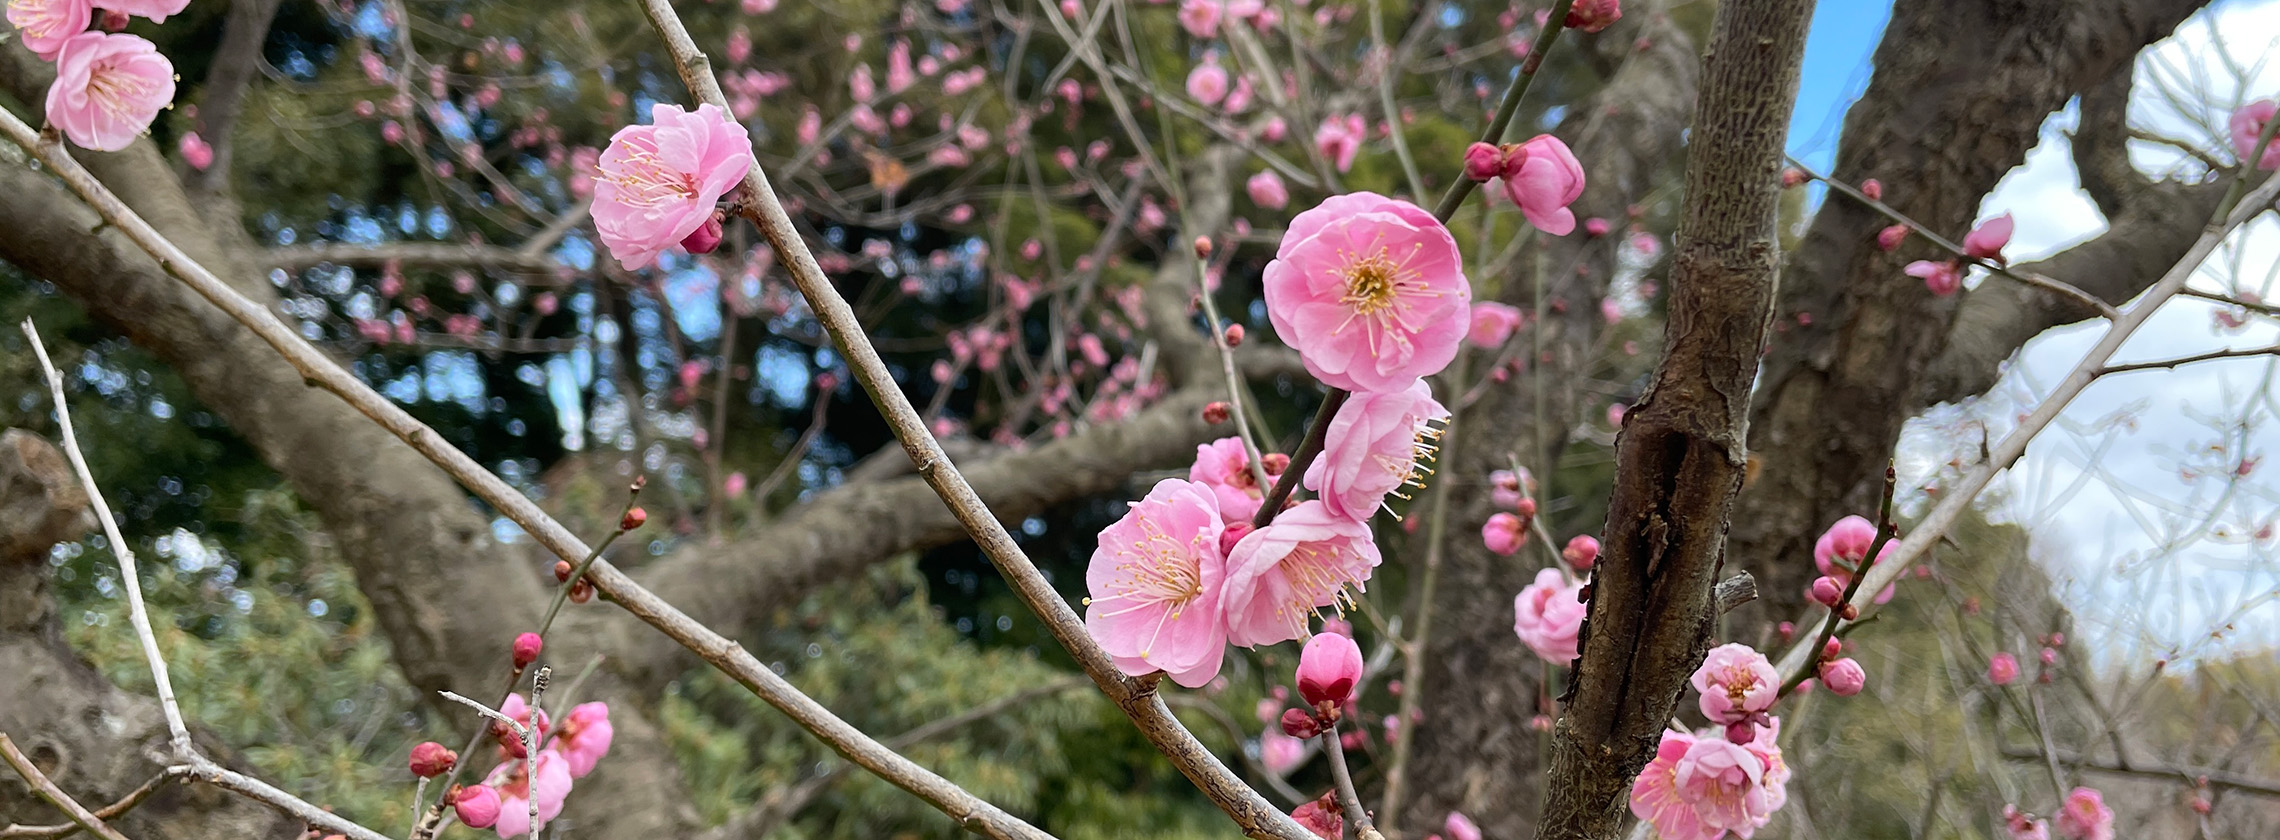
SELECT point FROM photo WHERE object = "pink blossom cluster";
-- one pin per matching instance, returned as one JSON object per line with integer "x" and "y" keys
{"x": 1540, "y": 176}
{"x": 1703, "y": 787}
{"x": 657, "y": 185}
{"x": 1945, "y": 277}
{"x": 567, "y": 750}
{"x": 108, "y": 85}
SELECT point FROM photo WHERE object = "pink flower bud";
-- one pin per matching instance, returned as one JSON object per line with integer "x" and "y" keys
{"x": 1872, "y": 188}
{"x": 1297, "y": 723}
{"x": 634, "y": 517}
{"x": 1741, "y": 732}
{"x": 1844, "y": 676}
{"x": 527, "y": 647}
{"x": 562, "y": 569}
{"x": 1203, "y": 247}
{"x": 1215, "y": 413}
{"x": 1275, "y": 462}
{"x": 1790, "y": 178}
{"x": 431, "y": 759}
{"x": 2049, "y": 656}
{"x": 2002, "y": 668}
{"x": 1596, "y": 227}
{"x": 2058, "y": 640}
{"x": 1483, "y": 161}
{"x": 1234, "y": 335}
{"x": 1891, "y": 237}
{"x": 1987, "y": 240}
{"x": 1827, "y": 592}
{"x": 1234, "y": 533}
{"x": 1329, "y": 668}
{"x": 1502, "y": 533}
{"x": 1581, "y": 552}
{"x": 1832, "y": 649}
{"x": 705, "y": 238}
{"x": 1594, "y": 15}
{"x": 478, "y": 806}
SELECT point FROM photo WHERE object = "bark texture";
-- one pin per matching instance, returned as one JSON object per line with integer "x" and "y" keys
{"x": 94, "y": 739}
{"x": 1680, "y": 457}
{"x": 1960, "y": 92}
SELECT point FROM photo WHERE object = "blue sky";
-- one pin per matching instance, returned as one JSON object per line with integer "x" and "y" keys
{"x": 1837, "y": 49}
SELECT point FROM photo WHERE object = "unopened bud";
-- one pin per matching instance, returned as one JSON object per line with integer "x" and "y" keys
{"x": 562, "y": 571}
{"x": 527, "y": 647}
{"x": 1483, "y": 161}
{"x": 1297, "y": 723}
{"x": 1826, "y": 592}
{"x": 1851, "y": 612}
{"x": 1741, "y": 732}
{"x": 1581, "y": 552}
{"x": 634, "y": 516}
{"x": 1787, "y": 629}
{"x": 1832, "y": 649}
{"x": 705, "y": 238}
{"x": 2201, "y": 806}
{"x": 1203, "y": 247}
{"x": 1215, "y": 413}
{"x": 1790, "y": 178}
{"x": 114, "y": 21}
{"x": 1526, "y": 506}
{"x": 1275, "y": 462}
{"x": 1891, "y": 237}
{"x": 1872, "y": 188}
{"x": 1234, "y": 335}
{"x": 431, "y": 759}
{"x": 477, "y": 806}
{"x": 582, "y": 591}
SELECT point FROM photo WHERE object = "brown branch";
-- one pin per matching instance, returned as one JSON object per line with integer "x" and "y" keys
{"x": 2174, "y": 772}
{"x": 2167, "y": 364}
{"x": 1680, "y": 455}
{"x": 320, "y": 371}
{"x": 54, "y": 795}
{"x": 107, "y": 812}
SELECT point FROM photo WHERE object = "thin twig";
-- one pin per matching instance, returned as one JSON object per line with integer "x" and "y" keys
{"x": 1356, "y": 816}
{"x": 54, "y": 795}
{"x": 137, "y": 614}
{"x": 108, "y": 812}
{"x": 2166, "y": 364}
{"x": 1885, "y": 531}
{"x": 326, "y": 822}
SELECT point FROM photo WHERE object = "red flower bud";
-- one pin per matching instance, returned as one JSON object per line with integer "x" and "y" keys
{"x": 1741, "y": 732}
{"x": 705, "y": 238}
{"x": 1891, "y": 237}
{"x": 1215, "y": 413}
{"x": 1297, "y": 723}
{"x": 527, "y": 647}
{"x": 478, "y": 806}
{"x": 1851, "y": 612}
{"x": 562, "y": 571}
{"x": 1483, "y": 161}
{"x": 1872, "y": 188}
{"x": 1234, "y": 335}
{"x": 431, "y": 759}
{"x": 1275, "y": 462}
{"x": 633, "y": 518}
{"x": 582, "y": 591}
{"x": 1594, "y": 15}
{"x": 1203, "y": 247}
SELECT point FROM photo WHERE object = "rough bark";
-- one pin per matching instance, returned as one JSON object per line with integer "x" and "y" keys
{"x": 94, "y": 739}
{"x": 1475, "y": 752}
{"x": 1960, "y": 93}
{"x": 1681, "y": 454}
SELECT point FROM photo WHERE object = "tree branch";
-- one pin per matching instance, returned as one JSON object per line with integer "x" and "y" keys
{"x": 221, "y": 97}
{"x": 54, "y": 795}
{"x": 1680, "y": 455}
{"x": 2172, "y": 772}
{"x": 413, "y": 255}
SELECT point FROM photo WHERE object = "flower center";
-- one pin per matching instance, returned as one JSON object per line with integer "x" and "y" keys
{"x": 1380, "y": 291}
{"x": 1154, "y": 572}
{"x": 645, "y": 181}
{"x": 114, "y": 91}
{"x": 37, "y": 18}
{"x": 1370, "y": 284}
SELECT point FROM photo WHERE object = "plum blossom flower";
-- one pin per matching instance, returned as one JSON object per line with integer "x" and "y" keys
{"x": 2002, "y": 668}
{"x": 2246, "y": 126}
{"x": 1839, "y": 550}
{"x": 1329, "y": 669}
{"x": 1224, "y": 468}
{"x": 1987, "y": 240}
{"x": 1208, "y": 82}
{"x": 1725, "y": 783}
{"x": 107, "y": 89}
{"x": 2021, "y": 825}
{"x": 1371, "y": 290}
{"x": 1340, "y": 139}
{"x": 1279, "y": 752}
{"x": 1201, "y": 17}
{"x": 1267, "y": 190}
{"x": 1656, "y": 798}
{"x": 1581, "y": 552}
{"x": 2084, "y": 816}
{"x": 1278, "y": 575}
{"x": 1502, "y": 533}
{"x": 1942, "y": 277}
{"x": 156, "y": 10}
{"x": 1594, "y": 15}
{"x": 513, "y": 781}
{"x": 1493, "y": 324}
{"x": 1736, "y": 683}
{"x": 1373, "y": 447}
{"x": 1844, "y": 677}
{"x": 1543, "y": 178}
{"x": 1155, "y": 581}
{"x": 43, "y": 25}
{"x": 584, "y": 737}
{"x": 658, "y": 183}
{"x": 1547, "y": 617}
{"x": 1321, "y": 816}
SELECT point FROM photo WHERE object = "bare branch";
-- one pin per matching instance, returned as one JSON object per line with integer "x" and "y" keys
{"x": 108, "y": 812}
{"x": 413, "y": 255}
{"x": 54, "y": 795}
{"x": 2174, "y": 772}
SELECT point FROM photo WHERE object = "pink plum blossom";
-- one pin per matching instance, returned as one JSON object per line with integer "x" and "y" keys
{"x": 1322, "y": 817}
{"x": 1987, "y": 240}
{"x": 1844, "y": 677}
{"x": 2020, "y": 825}
{"x": 1891, "y": 237}
{"x": 1329, "y": 669}
{"x": 478, "y": 806}
{"x": 1370, "y": 290}
{"x": 658, "y": 183}
{"x": 2002, "y": 668}
{"x": 1340, "y": 140}
{"x": 583, "y": 737}
{"x": 1493, "y": 324}
{"x": 1201, "y": 17}
{"x": 1581, "y": 552}
{"x": 1278, "y": 575}
{"x": 1543, "y": 178}
{"x": 1155, "y": 582}
{"x": 1657, "y": 799}
{"x": 1279, "y": 752}
{"x": 1373, "y": 447}
{"x": 107, "y": 89}
{"x": 1942, "y": 277}
{"x": 1207, "y": 83}
{"x": 1224, "y": 468}
{"x": 1594, "y": 15}
{"x": 196, "y": 151}
{"x": 516, "y": 791}
{"x": 2246, "y": 126}
{"x": 43, "y": 25}
{"x": 1839, "y": 550}
{"x": 2084, "y": 816}
{"x": 1547, "y": 616}
{"x": 1736, "y": 683}
{"x": 1460, "y": 827}
{"x": 156, "y": 10}
{"x": 1503, "y": 533}
{"x": 1266, "y": 190}
{"x": 1724, "y": 782}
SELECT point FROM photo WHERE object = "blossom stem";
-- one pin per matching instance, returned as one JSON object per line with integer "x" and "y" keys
{"x": 1348, "y": 801}
{"x": 1308, "y": 450}
{"x": 1460, "y": 188}
{"x": 1885, "y": 532}
{"x": 1252, "y": 454}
